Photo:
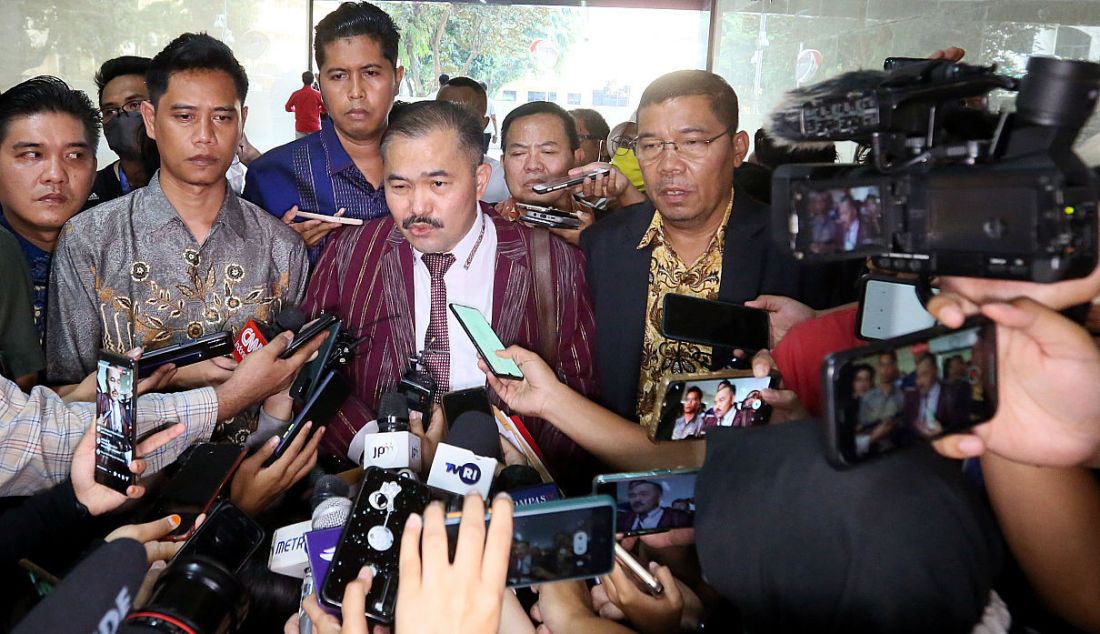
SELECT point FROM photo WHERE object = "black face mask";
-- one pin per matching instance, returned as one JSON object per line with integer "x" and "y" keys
{"x": 123, "y": 134}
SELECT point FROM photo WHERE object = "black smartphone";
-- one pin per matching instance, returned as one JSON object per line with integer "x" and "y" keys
{"x": 323, "y": 403}
{"x": 213, "y": 345}
{"x": 372, "y": 537}
{"x": 308, "y": 332}
{"x": 115, "y": 414}
{"x": 650, "y": 501}
{"x": 311, "y": 374}
{"x": 485, "y": 341}
{"x": 228, "y": 536}
{"x": 693, "y": 404}
{"x": 714, "y": 323}
{"x": 194, "y": 488}
{"x": 567, "y": 181}
{"x": 461, "y": 401}
{"x": 556, "y": 540}
{"x": 890, "y": 307}
{"x": 909, "y": 389}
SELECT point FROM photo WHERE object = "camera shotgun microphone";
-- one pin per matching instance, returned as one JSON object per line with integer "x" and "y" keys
{"x": 393, "y": 446}
{"x": 468, "y": 460}
{"x": 256, "y": 334}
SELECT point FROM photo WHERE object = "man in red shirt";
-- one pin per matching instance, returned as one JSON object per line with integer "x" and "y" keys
{"x": 307, "y": 107}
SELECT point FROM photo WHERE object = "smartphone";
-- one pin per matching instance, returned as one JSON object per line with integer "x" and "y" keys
{"x": 550, "y": 220}
{"x": 568, "y": 181}
{"x": 909, "y": 389}
{"x": 320, "y": 408}
{"x": 693, "y": 404}
{"x": 308, "y": 332}
{"x": 714, "y": 323}
{"x": 340, "y": 220}
{"x": 557, "y": 540}
{"x": 194, "y": 489}
{"x": 372, "y": 537}
{"x": 890, "y": 307}
{"x": 310, "y": 375}
{"x": 892, "y": 63}
{"x": 650, "y": 501}
{"x": 644, "y": 578}
{"x": 217, "y": 344}
{"x": 115, "y": 414}
{"x": 227, "y": 536}
{"x": 486, "y": 341}
{"x": 461, "y": 401}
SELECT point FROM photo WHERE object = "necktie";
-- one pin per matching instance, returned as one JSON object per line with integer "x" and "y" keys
{"x": 437, "y": 345}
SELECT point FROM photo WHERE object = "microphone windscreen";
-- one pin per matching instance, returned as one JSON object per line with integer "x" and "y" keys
{"x": 393, "y": 408}
{"x": 786, "y": 123}
{"x": 96, "y": 595}
{"x": 476, "y": 432}
{"x": 515, "y": 476}
{"x": 290, "y": 318}
{"x": 328, "y": 486}
{"x": 331, "y": 513}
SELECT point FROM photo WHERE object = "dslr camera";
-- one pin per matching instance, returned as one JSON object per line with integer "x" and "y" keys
{"x": 949, "y": 187}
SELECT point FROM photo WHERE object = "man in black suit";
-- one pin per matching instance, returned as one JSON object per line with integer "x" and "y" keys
{"x": 705, "y": 239}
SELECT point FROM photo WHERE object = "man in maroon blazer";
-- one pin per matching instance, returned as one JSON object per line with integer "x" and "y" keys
{"x": 391, "y": 279}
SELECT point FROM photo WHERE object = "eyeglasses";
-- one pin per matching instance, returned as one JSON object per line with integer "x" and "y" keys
{"x": 621, "y": 142}
{"x": 649, "y": 150}
{"x": 130, "y": 106}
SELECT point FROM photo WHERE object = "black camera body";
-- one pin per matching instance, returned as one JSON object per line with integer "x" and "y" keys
{"x": 949, "y": 189}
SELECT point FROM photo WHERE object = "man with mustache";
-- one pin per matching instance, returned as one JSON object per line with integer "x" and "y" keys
{"x": 392, "y": 279}
{"x": 182, "y": 257}
{"x": 339, "y": 168}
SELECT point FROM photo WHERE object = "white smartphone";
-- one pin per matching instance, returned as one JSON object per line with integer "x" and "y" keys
{"x": 890, "y": 307}
{"x": 340, "y": 220}
{"x": 638, "y": 571}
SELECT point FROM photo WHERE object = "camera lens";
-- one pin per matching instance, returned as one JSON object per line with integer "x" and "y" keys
{"x": 197, "y": 595}
{"x": 1058, "y": 92}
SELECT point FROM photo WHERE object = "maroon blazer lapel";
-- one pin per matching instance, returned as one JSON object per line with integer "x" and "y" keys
{"x": 397, "y": 303}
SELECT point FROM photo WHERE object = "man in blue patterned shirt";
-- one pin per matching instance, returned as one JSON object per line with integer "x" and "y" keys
{"x": 339, "y": 169}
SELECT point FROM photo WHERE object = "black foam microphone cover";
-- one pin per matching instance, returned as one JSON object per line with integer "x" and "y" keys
{"x": 95, "y": 596}
{"x": 393, "y": 412}
{"x": 513, "y": 477}
{"x": 328, "y": 486}
{"x": 290, "y": 318}
{"x": 477, "y": 432}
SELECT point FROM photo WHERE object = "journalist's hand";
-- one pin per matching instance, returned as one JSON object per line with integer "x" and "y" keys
{"x": 532, "y": 395}
{"x": 649, "y": 614}
{"x": 254, "y": 486}
{"x": 99, "y": 498}
{"x": 312, "y": 231}
{"x": 783, "y": 314}
{"x": 263, "y": 373}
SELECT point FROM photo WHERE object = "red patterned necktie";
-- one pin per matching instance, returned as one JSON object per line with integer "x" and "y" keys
{"x": 436, "y": 344}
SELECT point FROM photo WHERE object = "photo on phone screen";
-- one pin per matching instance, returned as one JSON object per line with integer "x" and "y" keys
{"x": 486, "y": 341}
{"x": 696, "y": 403}
{"x": 914, "y": 388}
{"x": 714, "y": 323}
{"x": 557, "y": 540}
{"x": 651, "y": 501}
{"x": 889, "y": 308}
{"x": 116, "y": 407}
{"x": 839, "y": 220}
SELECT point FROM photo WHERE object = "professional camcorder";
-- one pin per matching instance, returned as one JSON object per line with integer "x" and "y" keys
{"x": 950, "y": 188}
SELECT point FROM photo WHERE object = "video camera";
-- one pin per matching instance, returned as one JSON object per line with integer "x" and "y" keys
{"x": 950, "y": 189}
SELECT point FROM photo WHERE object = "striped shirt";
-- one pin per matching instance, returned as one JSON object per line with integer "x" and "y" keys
{"x": 39, "y": 432}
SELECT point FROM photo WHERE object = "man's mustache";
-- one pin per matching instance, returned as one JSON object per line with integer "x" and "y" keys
{"x": 428, "y": 220}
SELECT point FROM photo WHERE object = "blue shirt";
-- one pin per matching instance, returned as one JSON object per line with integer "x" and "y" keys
{"x": 38, "y": 263}
{"x": 315, "y": 173}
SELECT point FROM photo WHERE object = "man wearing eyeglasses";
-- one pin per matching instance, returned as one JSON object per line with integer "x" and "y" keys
{"x": 121, "y": 84}
{"x": 695, "y": 236}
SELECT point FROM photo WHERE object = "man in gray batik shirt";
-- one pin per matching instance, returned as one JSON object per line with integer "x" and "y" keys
{"x": 183, "y": 257}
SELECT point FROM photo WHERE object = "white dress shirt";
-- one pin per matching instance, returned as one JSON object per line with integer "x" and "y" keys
{"x": 469, "y": 286}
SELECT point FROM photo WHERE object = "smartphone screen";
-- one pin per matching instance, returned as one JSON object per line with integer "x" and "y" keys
{"x": 651, "y": 501}
{"x": 913, "y": 388}
{"x": 839, "y": 220}
{"x": 890, "y": 308}
{"x": 116, "y": 408}
{"x": 228, "y": 536}
{"x": 486, "y": 341}
{"x": 714, "y": 323}
{"x": 196, "y": 485}
{"x": 456, "y": 403}
{"x": 558, "y": 540}
{"x": 692, "y": 407}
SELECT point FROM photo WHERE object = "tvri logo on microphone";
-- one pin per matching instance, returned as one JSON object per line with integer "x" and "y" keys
{"x": 469, "y": 473}
{"x": 381, "y": 450}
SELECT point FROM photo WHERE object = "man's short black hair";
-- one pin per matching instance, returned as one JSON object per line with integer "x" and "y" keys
{"x": 194, "y": 51}
{"x": 634, "y": 483}
{"x": 541, "y": 107}
{"x": 725, "y": 383}
{"x": 863, "y": 367}
{"x": 417, "y": 120}
{"x": 46, "y": 93}
{"x": 691, "y": 83}
{"x": 889, "y": 353}
{"x": 120, "y": 67}
{"x": 593, "y": 121}
{"x": 466, "y": 82}
{"x": 444, "y": 78}
{"x": 352, "y": 19}
{"x": 307, "y": 78}
{"x": 694, "y": 388}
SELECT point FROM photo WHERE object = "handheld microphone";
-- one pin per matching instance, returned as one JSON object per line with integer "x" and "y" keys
{"x": 256, "y": 334}
{"x": 393, "y": 446}
{"x": 331, "y": 507}
{"x": 95, "y": 596}
{"x": 525, "y": 485}
{"x": 288, "y": 544}
{"x": 469, "y": 459}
